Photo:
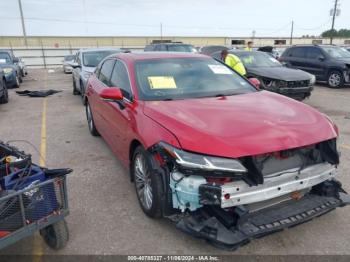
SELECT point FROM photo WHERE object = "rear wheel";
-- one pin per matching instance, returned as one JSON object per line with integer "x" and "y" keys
{"x": 90, "y": 120}
{"x": 148, "y": 185}
{"x": 335, "y": 79}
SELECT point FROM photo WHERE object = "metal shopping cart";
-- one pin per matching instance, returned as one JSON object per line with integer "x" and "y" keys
{"x": 32, "y": 199}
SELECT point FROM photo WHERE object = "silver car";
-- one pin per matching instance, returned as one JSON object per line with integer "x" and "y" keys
{"x": 84, "y": 65}
{"x": 67, "y": 63}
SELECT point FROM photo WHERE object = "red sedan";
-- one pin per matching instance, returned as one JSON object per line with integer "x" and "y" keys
{"x": 207, "y": 149}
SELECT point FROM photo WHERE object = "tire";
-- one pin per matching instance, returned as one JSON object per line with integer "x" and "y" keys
{"x": 5, "y": 98}
{"x": 17, "y": 84}
{"x": 90, "y": 120}
{"x": 82, "y": 92}
{"x": 148, "y": 186}
{"x": 335, "y": 79}
{"x": 75, "y": 90}
{"x": 56, "y": 235}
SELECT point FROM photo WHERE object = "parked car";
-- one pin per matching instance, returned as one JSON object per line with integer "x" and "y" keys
{"x": 171, "y": 47}
{"x": 327, "y": 62}
{"x": 204, "y": 147}
{"x": 210, "y": 49}
{"x": 4, "y": 96}
{"x": 273, "y": 75}
{"x": 23, "y": 67}
{"x": 9, "y": 65}
{"x": 84, "y": 65}
{"x": 67, "y": 63}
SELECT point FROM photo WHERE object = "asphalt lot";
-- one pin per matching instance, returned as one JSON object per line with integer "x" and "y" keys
{"x": 105, "y": 215}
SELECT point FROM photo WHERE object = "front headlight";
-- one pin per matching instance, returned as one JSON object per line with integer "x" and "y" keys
{"x": 274, "y": 83}
{"x": 8, "y": 70}
{"x": 87, "y": 75}
{"x": 312, "y": 80}
{"x": 187, "y": 160}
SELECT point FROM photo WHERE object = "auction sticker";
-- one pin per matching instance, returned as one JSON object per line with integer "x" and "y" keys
{"x": 220, "y": 69}
{"x": 162, "y": 82}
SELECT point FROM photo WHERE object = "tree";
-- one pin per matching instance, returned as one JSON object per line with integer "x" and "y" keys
{"x": 341, "y": 33}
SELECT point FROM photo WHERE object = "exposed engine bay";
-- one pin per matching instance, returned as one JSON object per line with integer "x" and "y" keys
{"x": 211, "y": 197}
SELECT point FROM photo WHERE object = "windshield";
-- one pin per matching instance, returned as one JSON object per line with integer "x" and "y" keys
{"x": 257, "y": 59}
{"x": 336, "y": 52}
{"x": 182, "y": 48}
{"x": 183, "y": 78}
{"x": 69, "y": 57}
{"x": 5, "y": 58}
{"x": 92, "y": 59}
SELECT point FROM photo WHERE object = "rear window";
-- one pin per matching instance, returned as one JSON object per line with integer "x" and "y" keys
{"x": 182, "y": 48}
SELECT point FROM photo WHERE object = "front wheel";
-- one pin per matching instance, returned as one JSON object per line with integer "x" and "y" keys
{"x": 17, "y": 83}
{"x": 5, "y": 97}
{"x": 90, "y": 120}
{"x": 335, "y": 79}
{"x": 75, "y": 90}
{"x": 56, "y": 235}
{"x": 148, "y": 185}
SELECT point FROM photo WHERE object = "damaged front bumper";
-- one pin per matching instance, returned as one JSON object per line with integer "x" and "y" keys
{"x": 230, "y": 229}
{"x": 231, "y": 214}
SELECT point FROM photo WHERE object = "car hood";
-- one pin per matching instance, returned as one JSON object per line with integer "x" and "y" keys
{"x": 241, "y": 125}
{"x": 89, "y": 69}
{"x": 344, "y": 60}
{"x": 280, "y": 73}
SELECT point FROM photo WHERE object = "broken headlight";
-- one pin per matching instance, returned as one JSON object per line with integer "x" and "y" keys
{"x": 191, "y": 163}
{"x": 271, "y": 83}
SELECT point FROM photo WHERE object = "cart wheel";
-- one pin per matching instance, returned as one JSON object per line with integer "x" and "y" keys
{"x": 56, "y": 235}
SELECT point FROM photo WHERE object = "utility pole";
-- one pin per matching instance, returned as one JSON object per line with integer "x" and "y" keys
{"x": 161, "y": 31}
{"x": 335, "y": 10}
{"x": 291, "y": 34}
{"x": 22, "y": 20}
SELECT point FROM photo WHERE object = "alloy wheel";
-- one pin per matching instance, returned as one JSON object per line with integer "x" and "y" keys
{"x": 334, "y": 79}
{"x": 89, "y": 117}
{"x": 143, "y": 181}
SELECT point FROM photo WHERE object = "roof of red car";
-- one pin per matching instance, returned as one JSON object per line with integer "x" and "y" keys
{"x": 156, "y": 55}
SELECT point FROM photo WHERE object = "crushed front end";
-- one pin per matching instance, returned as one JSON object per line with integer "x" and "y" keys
{"x": 228, "y": 202}
{"x": 298, "y": 90}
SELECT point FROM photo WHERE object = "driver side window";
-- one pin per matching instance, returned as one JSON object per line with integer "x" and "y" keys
{"x": 106, "y": 71}
{"x": 120, "y": 78}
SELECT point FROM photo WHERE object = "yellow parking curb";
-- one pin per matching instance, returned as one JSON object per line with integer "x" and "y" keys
{"x": 345, "y": 146}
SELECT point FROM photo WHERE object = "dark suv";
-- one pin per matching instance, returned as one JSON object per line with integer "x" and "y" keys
{"x": 171, "y": 47}
{"x": 327, "y": 62}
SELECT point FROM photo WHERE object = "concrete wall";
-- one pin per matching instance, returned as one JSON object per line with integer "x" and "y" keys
{"x": 77, "y": 42}
{"x": 49, "y": 51}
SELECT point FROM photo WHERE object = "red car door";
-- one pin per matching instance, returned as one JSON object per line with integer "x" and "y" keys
{"x": 119, "y": 115}
{"x": 97, "y": 83}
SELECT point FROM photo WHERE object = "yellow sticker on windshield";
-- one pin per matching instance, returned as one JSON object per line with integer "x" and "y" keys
{"x": 162, "y": 82}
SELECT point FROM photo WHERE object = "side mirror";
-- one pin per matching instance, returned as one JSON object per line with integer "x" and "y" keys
{"x": 75, "y": 65}
{"x": 15, "y": 60}
{"x": 321, "y": 58}
{"x": 111, "y": 94}
{"x": 255, "y": 82}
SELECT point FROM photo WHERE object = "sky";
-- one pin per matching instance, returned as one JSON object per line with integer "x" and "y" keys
{"x": 229, "y": 18}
